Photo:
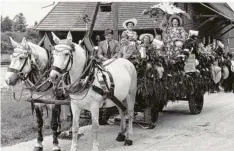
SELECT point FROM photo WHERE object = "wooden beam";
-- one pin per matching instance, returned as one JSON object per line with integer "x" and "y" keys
{"x": 220, "y": 28}
{"x": 205, "y": 16}
{"x": 57, "y": 102}
{"x": 115, "y": 7}
{"x": 218, "y": 24}
{"x": 216, "y": 11}
{"x": 227, "y": 30}
{"x": 90, "y": 31}
{"x": 206, "y": 21}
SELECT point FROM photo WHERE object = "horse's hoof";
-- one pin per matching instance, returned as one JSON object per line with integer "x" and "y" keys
{"x": 56, "y": 148}
{"x": 128, "y": 142}
{"x": 38, "y": 149}
{"x": 152, "y": 126}
{"x": 120, "y": 137}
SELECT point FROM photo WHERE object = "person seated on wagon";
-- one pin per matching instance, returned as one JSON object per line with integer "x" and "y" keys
{"x": 146, "y": 45}
{"x": 129, "y": 25}
{"x": 108, "y": 48}
{"x": 176, "y": 34}
{"x": 126, "y": 50}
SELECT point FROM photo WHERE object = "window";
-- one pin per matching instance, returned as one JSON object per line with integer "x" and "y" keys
{"x": 105, "y": 7}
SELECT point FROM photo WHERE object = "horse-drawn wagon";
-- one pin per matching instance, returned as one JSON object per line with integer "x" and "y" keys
{"x": 152, "y": 81}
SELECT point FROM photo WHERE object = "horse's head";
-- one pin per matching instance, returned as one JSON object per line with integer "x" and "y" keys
{"x": 20, "y": 62}
{"x": 63, "y": 57}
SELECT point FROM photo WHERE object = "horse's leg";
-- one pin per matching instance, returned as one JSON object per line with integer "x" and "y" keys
{"x": 39, "y": 114}
{"x": 121, "y": 135}
{"x": 95, "y": 124}
{"x": 55, "y": 123}
{"x": 70, "y": 130}
{"x": 75, "y": 126}
{"x": 130, "y": 103}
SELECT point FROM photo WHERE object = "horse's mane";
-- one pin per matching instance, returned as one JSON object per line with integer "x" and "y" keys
{"x": 40, "y": 55}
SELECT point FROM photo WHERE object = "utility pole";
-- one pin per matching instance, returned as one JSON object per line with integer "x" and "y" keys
{"x": 115, "y": 8}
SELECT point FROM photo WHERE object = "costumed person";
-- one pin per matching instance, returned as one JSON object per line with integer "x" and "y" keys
{"x": 229, "y": 81}
{"x": 176, "y": 35}
{"x": 127, "y": 50}
{"x": 132, "y": 35}
{"x": 146, "y": 44}
{"x": 216, "y": 74}
{"x": 108, "y": 48}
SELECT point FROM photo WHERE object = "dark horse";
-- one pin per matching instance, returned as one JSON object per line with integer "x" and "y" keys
{"x": 30, "y": 63}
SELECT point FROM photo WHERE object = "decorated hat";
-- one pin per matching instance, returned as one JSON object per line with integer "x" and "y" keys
{"x": 225, "y": 72}
{"x": 216, "y": 73}
{"x": 146, "y": 34}
{"x": 132, "y": 20}
{"x": 175, "y": 17}
{"x": 108, "y": 31}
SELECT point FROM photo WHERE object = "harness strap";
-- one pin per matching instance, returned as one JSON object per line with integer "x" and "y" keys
{"x": 111, "y": 97}
{"x": 12, "y": 70}
{"x": 57, "y": 69}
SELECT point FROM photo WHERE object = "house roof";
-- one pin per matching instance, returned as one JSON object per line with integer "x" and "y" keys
{"x": 69, "y": 16}
{"x": 224, "y": 9}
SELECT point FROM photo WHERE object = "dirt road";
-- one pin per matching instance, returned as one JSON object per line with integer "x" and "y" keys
{"x": 177, "y": 130}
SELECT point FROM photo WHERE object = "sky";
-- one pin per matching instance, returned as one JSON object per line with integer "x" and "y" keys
{"x": 33, "y": 11}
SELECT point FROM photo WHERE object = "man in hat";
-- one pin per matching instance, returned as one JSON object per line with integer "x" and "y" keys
{"x": 108, "y": 48}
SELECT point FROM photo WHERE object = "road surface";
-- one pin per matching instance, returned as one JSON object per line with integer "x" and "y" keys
{"x": 177, "y": 130}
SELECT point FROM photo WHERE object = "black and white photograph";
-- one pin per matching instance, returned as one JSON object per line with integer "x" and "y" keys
{"x": 117, "y": 75}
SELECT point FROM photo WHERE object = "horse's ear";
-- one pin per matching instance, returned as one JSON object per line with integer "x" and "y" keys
{"x": 55, "y": 38}
{"x": 14, "y": 44}
{"x": 25, "y": 44}
{"x": 69, "y": 37}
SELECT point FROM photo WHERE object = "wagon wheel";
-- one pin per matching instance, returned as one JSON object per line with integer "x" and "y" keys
{"x": 196, "y": 104}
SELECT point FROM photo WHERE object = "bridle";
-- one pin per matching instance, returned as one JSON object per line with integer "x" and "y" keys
{"x": 70, "y": 61}
{"x": 19, "y": 72}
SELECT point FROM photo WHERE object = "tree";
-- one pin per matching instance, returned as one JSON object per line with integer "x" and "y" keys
{"x": 6, "y": 24}
{"x": 19, "y": 23}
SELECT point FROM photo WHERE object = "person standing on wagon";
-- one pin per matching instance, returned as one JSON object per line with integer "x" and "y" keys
{"x": 132, "y": 35}
{"x": 176, "y": 34}
{"x": 108, "y": 48}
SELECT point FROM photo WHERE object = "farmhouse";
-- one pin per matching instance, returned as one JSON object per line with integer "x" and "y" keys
{"x": 213, "y": 20}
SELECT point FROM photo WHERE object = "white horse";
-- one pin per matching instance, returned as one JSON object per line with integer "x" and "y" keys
{"x": 70, "y": 57}
{"x": 25, "y": 56}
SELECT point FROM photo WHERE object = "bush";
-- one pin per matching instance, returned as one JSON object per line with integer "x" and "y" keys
{"x": 32, "y": 35}
{"x": 6, "y": 47}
